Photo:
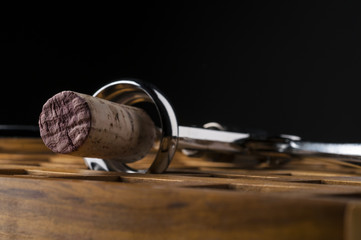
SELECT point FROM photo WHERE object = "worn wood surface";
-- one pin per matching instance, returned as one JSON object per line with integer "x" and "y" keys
{"x": 49, "y": 196}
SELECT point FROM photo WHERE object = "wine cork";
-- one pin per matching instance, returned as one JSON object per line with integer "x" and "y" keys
{"x": 82, "y": 125}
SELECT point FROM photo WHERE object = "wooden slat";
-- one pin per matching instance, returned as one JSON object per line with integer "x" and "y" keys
{"x": 61, "y": 209}
{"x": 49, "y": 196}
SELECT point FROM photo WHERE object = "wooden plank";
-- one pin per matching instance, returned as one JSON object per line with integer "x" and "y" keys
{"x": 23, "y": 145}
{"x": 353, "y": 221}
{"x": 64, "y": 209}
{"x": 50, "y": 196}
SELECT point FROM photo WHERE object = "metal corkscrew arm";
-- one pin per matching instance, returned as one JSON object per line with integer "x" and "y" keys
{"x": 173, "y": 137}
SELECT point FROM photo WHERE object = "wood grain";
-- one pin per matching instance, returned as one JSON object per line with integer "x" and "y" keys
{"x": 49, "y": 209}
{"x": 51, "y": 196}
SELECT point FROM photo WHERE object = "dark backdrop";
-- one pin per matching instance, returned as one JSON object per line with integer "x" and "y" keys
{"x": 283, "y": 67}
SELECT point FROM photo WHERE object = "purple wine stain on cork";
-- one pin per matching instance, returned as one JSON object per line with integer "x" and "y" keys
{"x": 65, "y": 122}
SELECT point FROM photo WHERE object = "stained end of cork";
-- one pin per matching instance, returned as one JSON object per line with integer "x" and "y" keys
{"x": 65, "y": 122}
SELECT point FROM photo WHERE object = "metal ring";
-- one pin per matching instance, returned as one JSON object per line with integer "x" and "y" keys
{"x": 130, "y": 92}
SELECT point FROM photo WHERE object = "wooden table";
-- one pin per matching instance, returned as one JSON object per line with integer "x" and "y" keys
{"x": 49, "y": 196}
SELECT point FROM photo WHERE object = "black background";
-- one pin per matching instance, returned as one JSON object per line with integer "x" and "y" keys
{"x": 284, "y": 67}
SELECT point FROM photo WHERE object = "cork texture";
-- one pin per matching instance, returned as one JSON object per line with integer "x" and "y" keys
{"x": 82, "y": 125}
{"x": 65, "y": 122}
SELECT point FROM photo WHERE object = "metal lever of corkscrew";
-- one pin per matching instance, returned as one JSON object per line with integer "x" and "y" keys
{"x": 173, "y": 137}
